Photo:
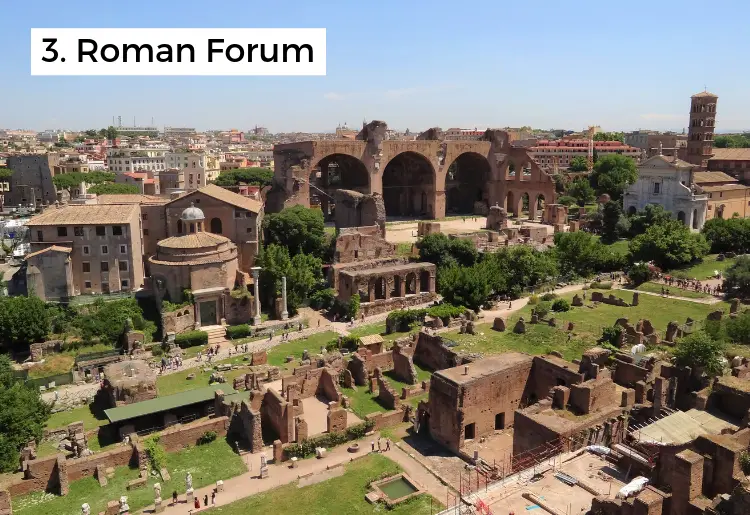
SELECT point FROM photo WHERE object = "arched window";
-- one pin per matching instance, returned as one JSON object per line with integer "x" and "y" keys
{"x": 216, "y": 225}
{"x": 179, "y": 226}
{"x": 192, "y": 227}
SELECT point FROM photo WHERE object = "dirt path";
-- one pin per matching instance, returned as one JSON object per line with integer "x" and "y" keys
{"x": 707, "y": 300}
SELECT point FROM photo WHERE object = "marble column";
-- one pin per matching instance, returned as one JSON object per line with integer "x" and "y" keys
{"x": 284, "y": 312}
{"x": 256, "y": 292}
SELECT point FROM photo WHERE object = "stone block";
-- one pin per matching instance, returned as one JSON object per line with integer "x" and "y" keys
{"x": 628, "y": 397}
{"x": 520, "y": 326}
{"x": 498, "y": 324}
{"x": 137, "y": 483}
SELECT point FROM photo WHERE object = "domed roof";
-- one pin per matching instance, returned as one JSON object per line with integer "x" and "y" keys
{"x": 192, "y": 214}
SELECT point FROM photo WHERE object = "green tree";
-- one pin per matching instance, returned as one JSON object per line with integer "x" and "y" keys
{"x": 698, "y": 349}
{"x": 728, "y": 235}
{"x": 669, "y": 245}
{"x": 609, "y": 136}
{"x": 99, "y": 177}
{"x": 298, "y": 228}
{"x": 732, "y": 141}
{"x": 445, "y": 252}
{"x": 254, "y": 176}
{"x": 578, "y": 164}
{"x": 305, "y": 275}
{"x": 612, "y": 174}
{"x": 582, "y": 191}
{"x": 580, "y": 253}
{"x": 567, "y": 200}
{"x": 111, "y": 188}
{"x": 275, "y": 263}
{"x": 738, "y": 329}
{"x": 5, "y": 174}
{"x": 23, "y": 320}
{"x": 91, "y": 133}
{"x": 653, "y": 214}
{"x": 105, "y": 320}
{"x": 111, "y": 133}
{"x": 611, "y": 221}
{"x": 68, "y": 181}
{"x": 22, "y": 418}
{"x": 639, "y": 273}
{"x": 737, "y": 278}
{"x": 464, "y": 286}
{"x": 511, "y": 270}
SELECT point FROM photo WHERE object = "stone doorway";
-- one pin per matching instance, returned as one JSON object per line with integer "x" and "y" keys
{"x": 208, "y": 313}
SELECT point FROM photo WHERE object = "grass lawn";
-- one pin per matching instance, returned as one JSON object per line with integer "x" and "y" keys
{"x": 705, "y": 269}
{"x": 313, "y": 343}
{"x": 207, "y": 463}
{"x": 379, "y": 328}
{"x": 588, "y": 320}
{"x": 83, "y": 414}
{"x": 673, "y": 290}
{"x": 363, "y": 402}
{"x": 344, "y": 494}
{"x": 53, "y": 365}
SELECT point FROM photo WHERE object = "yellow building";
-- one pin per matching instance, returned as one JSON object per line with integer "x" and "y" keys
{"x": 727, "y": 197}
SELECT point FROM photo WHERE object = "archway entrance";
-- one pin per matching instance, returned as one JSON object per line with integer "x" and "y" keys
{"x": 336, "y": 172}
{"x": 681, "y": 216}
{"x": 409, "y": 186}
{"x": 510, "y": 204}
{"x": 524, "y": 206}
{"x": 467, "y": 183}
{"x": 538, "y": 210}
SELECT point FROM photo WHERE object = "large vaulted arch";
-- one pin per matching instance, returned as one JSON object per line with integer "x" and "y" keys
{"x": 336, "y": 172}
{"x": 467, "y": 184}
{"x": 409, "y": 186}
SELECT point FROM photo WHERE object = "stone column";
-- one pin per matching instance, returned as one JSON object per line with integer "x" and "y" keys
{"x": 284, "y": 312}
{"x": 256, "y": 291}
{"x": 197, "y": 308}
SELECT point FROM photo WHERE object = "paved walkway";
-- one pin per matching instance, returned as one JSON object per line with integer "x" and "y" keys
{"x": 705, "y": 300}
{"x": 281, "y": 474}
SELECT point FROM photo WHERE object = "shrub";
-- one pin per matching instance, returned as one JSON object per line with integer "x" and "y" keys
{"x": 157, "y": 350}
{"x": 611, "y": 335}
{"x": 549, "y": 296}
{"x": 323, "y": 299}
{"x": 745, "y": 462}
{"x": 350, "y": 343}
{"x": 596, "y": 285}
{"x": 534, "y": 299}
{"x": 235, "y": 332}
{"x": 346, "y": 308}
{"x": 542, "y": 309}
{"x": 445, "y": 311}
{"x": 561, "y": 305}
{"x": 207, "y": 437}
{"x": 157, "y": 456}
{"x": 327, "y": 440}
{"x": 191, "y": 339}
{"x": 639, "y": 273}
{"x": 401, "y": 320}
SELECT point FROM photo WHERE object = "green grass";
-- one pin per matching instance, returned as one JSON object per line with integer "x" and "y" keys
{"x": 541, "y": 339}
{"x": 53, "y": 365}
{"x": 403, "y": 249}
{"x": 620, "y": 246}
{"x": 344, "y": 494}
{"x": 363, "y": 402}
{"x": 673, "y": 290}
{"x": 277, "y": 355}
{"x": 705, "y": 269}
{"x": 379, "y": 328}
{"x": 82, "y": 414}
{"x": 207, "y": 463}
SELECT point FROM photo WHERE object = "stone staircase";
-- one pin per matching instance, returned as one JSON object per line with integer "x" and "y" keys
{"x": 216, "y": 334}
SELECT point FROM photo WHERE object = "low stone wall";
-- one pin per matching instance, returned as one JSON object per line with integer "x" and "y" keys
{"x": 177, "y": 438}
{"x": 84, "y": 467}
{"x": 388, "y": 419}
{"x": 432, "y": 354}
{"x": 178, "y": 321}
{"x": 384, "y": 305}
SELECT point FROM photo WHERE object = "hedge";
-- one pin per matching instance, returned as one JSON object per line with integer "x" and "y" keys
{"x": 327, "y": 440}
{"x": 235, "y": 332}
{"x": 191, "y": 339}
{"x": 601, "y": 285}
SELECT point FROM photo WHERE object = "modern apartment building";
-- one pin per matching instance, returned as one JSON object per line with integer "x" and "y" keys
{"x": 559, "y": 153}
{"x": 103, "y": 245}
{"x": 198, "y": 169}
{"x": 651, "y": 141}
{"x": 135, "y": 159}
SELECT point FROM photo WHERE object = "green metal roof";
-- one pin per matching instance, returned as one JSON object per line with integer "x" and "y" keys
{"x": 167, "y": 403}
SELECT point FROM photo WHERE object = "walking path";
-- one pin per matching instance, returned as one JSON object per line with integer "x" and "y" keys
{"x": 249, "y": 483}
{"x": 704, "y": 300}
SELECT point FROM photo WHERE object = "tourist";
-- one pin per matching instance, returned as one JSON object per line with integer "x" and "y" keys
{"x": 387, "y": 444}
{"x": 174, "y": 497}
{"x": 197, "y": 504}
{"x": 379, "y": 449}
{"x": 318, "y": 323}
{"x": 372, "y": 444}
{"x": 205, "y": 500}
{"x": 213, "y": 498}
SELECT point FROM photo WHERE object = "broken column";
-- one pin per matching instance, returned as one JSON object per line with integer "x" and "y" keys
{"x": 256, "y": 291}
{"x": 284, "y": 312}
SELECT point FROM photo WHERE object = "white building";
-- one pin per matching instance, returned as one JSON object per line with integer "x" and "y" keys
{"x": 668, "y": 181}
{"x": 133, "y": 159}
{"x": 198, "y": 168}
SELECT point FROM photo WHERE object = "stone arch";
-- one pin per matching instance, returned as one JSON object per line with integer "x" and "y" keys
{"x": 411, "y": 283}
{"x": 695, "y": 218}
{"x": 681, "y": 216}
{"x": 216, "y": 225}
{"x": 336, "y": 172}
{"x": 380, "y": 288}
{"x": 396, "y": 290}
{"x": 424, "y": 281}
{"x": 632, "y": 210}
{"x": 538, "y": 207}
{"x": 524, "y": 205}
{"x": 408, "y": 182}
{"x": 466, "y": 183}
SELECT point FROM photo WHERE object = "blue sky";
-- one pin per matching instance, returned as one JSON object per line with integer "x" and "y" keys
{"x": 413, "y": 64}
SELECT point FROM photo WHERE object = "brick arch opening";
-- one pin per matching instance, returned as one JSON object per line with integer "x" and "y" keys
{"x": 510, "y": 204}
{"x": 538, "y": 207}
{"x": 467, "y": 183}
{"x": 409, "y": 186}
{"x": 524, "y": 205}
{"x": 336, "y": 172}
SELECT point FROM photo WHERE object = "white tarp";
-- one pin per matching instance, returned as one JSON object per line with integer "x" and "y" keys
{"x": 632, "y": 488}
{"x": 599, "y": 449}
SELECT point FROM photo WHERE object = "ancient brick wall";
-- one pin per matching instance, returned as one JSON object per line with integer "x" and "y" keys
{"x": 84, "y": 467}
{"x": 336, "y": 420}
{"x": 387, "y": 396}
{"x": 382, "y": 306}
{"x": 389, "y": 419}
{"x": 403, "y": 367}
{"x": 238, "y": 311}
{"x": 358, "y": 368}
{"x": 40, "y": 475}
{"x": 548, "y": 372}
{"x": 592, "y": 395}
{"x": 432, "y": 354}
{"x": 178, "y": 321}
{"x": 444, "y": 423}
{"x": 276, "y": 415}
{"x": 529, "y": 434}
{"x": 5, "y": 505}
{"x": 730, "y": 399}
{"x": 627, "y": 374}
{"x": 328, "y": 385}
{"x": 177, "y": 438}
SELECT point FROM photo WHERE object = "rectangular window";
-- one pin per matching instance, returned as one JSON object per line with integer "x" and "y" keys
{"x": 123, "y": 249}
{"x": 39, "y": 236}
{"x": 123, "y": 266}
{"x": 145, "y": 216}
{"x": 62, "y": 231}
{"x": 117, "y": 230}
{"x": 85, "y": 250}
{"x": 101, "y": 230}
{"x": 78, "y": 231}
{"x": 145, "y": 232}
{"x": 656, "y": 188}
{"x": 87, "y": 284}
{"x": 249, "y": 230}
{"x": 105, "y": 266}
{"x": 125, "y": 284}
{"x": 86, "y": 267}
{"x": 105, "y": 249}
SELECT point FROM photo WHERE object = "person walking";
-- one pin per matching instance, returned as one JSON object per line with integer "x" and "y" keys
{"x": 205, "y": 500}
{"x": 387, "y": 444}
{"x": 197, "y": 504}
{"x": 372, "y": 444}
{"x": 213, "y": 498}
{"x": 174, "y": 497}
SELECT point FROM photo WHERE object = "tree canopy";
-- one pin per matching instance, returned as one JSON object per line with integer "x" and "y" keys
{"x": 581, "y": 254}
{"x": 612, "y": 174}
{"x": 298, "y": 228}
{"x": 67, "y": 181}
{"x": 23, "y": 321}
{"x": 581, "y": 190}
{"x": 255, "y": 176}
{"x": 303, "y": 273}
{"x": 652, "y": 214}
{"x": 5, "y": 173}
{"x": 106, "y": 320}
{"x": 578, "y": 164}
{"x": 728, "y": 235}
{"x": 443, "y": 251}
{"x": 113, "y": 188}
{"x": 669, "y": 245}
{"x": 610, "y": 136}
{"x": 732, "y": 141}
{"x": 698, "y": 349}
{"x": 111, "y": 132}
{"x": 22, "y": 418}
{"x": 737, "y": 278}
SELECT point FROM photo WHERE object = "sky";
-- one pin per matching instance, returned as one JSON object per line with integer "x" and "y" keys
{"x": 413, "y": 64}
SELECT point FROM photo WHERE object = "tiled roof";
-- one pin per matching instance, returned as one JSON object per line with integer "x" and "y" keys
{"x": 131, "y": 199}
{"x": 704, "y": 94}
{"x": 701, "y": 177}
{"x": 725, "y": 187}
{"x": 370, "y": 339}
{"x": 229, "y": 197}
{"x": 193, "y": 241}
{"x": 679, "y": 163}
{"x": 86, "y": 215}
{"x": 737, "y": 154}
{"x": 53, "y": 248}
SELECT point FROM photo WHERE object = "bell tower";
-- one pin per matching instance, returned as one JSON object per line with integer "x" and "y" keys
{"x": 700, "y": 143}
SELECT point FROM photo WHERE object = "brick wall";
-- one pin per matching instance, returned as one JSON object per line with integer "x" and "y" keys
{"x": 548, "y": 372}
{"x": 178, "y": 437}
{"x": 403, "y": 367}
{"x": 40, "y": 475}
{"x": 627, "y": 374}
{"x": 327, "y": 385}
{"x": 275, "y": 415}
{"x": 592, "y": 395}
{"x": 84, "y": 467}
{"x": 178, "y": 321}
{"x": 389, "y": 419}
{"x": 432, "y": 354}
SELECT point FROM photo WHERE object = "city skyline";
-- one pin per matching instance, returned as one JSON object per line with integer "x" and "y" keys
{"x": 492, "y": 66}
